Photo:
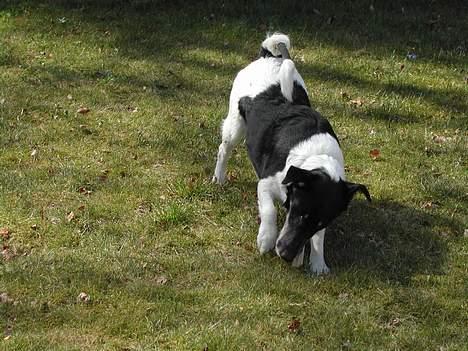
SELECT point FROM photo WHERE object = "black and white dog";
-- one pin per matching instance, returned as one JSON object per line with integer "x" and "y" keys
{"x": 294, "y": 151}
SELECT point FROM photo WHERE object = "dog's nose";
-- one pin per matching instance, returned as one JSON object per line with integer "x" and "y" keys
{"x": 283, "y": 251}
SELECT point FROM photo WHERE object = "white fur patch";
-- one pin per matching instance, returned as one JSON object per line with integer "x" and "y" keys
{"x": 271, "y": 43}
{"x": 286, "y": 76}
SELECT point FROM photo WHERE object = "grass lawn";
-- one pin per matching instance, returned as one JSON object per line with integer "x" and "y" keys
{"x": 113, "y": 237}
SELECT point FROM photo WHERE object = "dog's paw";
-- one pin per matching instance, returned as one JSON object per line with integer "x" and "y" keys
{"x": 218, "y": 180}
{"x": 265, "y": 243}
{"x": 319, "y": 268}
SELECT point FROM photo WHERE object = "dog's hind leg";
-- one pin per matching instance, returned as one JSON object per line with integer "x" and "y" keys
{"x": 233, "y": 131}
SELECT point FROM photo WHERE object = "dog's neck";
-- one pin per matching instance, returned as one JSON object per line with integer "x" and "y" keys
{"x": 328, "y": 163}
{"x": 319, "y": 151}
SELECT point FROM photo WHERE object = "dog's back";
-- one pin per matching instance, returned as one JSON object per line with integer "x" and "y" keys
{"x": 275, "y": 126}
{"x": 279, "y": 117}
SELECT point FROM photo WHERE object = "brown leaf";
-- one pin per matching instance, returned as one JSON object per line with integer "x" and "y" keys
{"x": 161, "y": 280}
{"x": 6, "y": 253}
{"x": 357, "y": 102}
{"x": 84, "y": 128}
{"x": 104, "y": 175}
{"x": 83, "y": 110}
{"x": 429, "y": 204}
{"x": 4, "y": 298}
{"x": 394, "y": 322}
{"x": 294, "y": 325}
{"x": 70, "y": 216}
{"x": 5, "y": 233}
{"x": 84, "y": 191}
{"x": 440, "y": 139}
{"x": 83, "y": 297}
{"x": 344, "y": 95}
{"x": 375, "y": 154}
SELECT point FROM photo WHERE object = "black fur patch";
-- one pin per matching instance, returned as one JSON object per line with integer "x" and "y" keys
{"x": 313, "y": 201}
{"x": 266, "y": 53}
{"x": 275, "y": 126}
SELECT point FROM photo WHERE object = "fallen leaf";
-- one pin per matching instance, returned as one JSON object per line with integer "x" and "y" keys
{"x": 104, "y": 175}
{"x": 344, "y": 95}
{"x": 346, "y": 345}
{"x": 294, "y": 325}
{"x": 161, "y": 280}
{"x": 395, "y": 322}
{"x": 8, "y": 332}
{"x": 4, "y": 298}
{"x": 374, "y": 153}
{"x": 144, "y": 207}
{"x": 84, "y": 191}
{"x": 83, "y": 297}
{"x": 440, "y": 139}
{"x": 6, "y": 253}
{"x": 5, "y": 233}
{"x": 357, "y": 102}
{"x": 55, "y": 220}
{"x": 83, "y": 110}
{"x": 429, "y": 204}
{"x": 84, "y": 128}
{"x": 69, "y": 97}
{"x": 70, "y": 216}
{"x": 34, "y": 153}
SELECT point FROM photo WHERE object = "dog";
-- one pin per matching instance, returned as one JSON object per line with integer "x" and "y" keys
{"x": 294, "y": 151}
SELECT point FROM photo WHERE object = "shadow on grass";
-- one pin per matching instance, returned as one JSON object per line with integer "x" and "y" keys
{"x": 161, "y": 30}
{"x": 388, "y": 238}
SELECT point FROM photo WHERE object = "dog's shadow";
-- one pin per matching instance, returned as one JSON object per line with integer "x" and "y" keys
{"x": 392, "y": 240}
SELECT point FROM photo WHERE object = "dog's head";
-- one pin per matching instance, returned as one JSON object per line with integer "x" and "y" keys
{"x": 313, "y": 201}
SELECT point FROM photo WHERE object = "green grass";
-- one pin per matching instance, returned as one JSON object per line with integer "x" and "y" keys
{"x": 168, "y": 259}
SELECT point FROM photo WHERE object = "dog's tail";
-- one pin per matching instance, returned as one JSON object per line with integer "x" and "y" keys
{"x": 278, "y": 45}
{"x": 271, "y": 46}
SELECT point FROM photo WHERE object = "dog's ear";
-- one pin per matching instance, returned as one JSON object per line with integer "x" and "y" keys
{"x": 299, "y": 175}
{"x": 352, "y": 188}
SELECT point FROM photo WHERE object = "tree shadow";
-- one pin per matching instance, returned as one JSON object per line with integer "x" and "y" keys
{"x": 163, "y": 32}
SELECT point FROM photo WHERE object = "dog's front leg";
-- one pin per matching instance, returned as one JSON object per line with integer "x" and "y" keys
{"x": 268, "y": 231}
{"x": 317, "y": 260}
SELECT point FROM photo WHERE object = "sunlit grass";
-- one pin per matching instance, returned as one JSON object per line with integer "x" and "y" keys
{"x": 117, "y": 202}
